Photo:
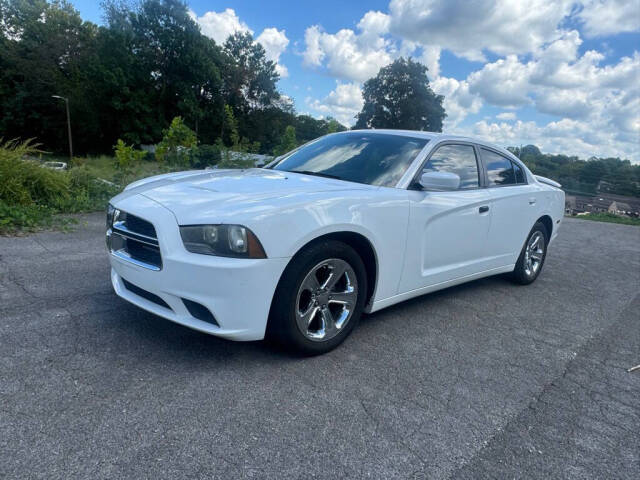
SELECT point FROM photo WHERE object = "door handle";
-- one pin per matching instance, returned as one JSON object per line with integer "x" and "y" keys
{"x": 483, "y": 209}
{"x": 532, "y": 201}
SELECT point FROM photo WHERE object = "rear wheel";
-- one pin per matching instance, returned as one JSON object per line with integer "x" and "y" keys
{"x": 532, "y": 256}
{"x": 319, "y": 299}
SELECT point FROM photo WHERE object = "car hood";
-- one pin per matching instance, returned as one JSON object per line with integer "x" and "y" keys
{"x": 216, "y": 195}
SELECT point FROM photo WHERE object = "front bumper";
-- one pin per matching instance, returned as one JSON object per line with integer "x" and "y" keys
{"x": 238, "y": 292}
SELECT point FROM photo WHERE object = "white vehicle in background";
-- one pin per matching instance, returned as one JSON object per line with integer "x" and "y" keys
{"x": 349, "y": 223}
{"x": 55, "y": 165}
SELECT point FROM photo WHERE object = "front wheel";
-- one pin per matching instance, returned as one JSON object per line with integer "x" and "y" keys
{"x": 532, "y": 256}
{"x": 319, "y": 299}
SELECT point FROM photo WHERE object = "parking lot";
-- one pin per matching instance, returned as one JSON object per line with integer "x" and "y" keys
{"x": 484, "y": 380}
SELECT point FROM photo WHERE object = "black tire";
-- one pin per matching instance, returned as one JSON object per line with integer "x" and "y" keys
{"x": 283, "y": 326}
{"x": 522, "y": 273}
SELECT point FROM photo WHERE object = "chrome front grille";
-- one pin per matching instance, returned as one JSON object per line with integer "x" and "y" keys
{"x": 134, "y": 239}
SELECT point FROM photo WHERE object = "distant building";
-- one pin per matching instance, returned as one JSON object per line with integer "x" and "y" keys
{"x": 601, "y": 203}
{"x": 619, "y": 208}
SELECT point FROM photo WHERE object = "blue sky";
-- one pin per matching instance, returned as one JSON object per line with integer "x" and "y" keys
{"x": 562, "y": 74}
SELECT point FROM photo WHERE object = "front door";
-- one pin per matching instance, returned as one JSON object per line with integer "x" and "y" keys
{"x": 448, "y": 230}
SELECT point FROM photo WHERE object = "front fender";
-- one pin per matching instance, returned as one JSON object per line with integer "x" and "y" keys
{"x": 381, "y": 218}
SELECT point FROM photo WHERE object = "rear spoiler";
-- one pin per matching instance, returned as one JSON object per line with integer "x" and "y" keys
{"x": 548, "y": 181}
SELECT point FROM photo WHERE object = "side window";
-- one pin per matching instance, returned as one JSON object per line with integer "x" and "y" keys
{"x": 458, "y": 159}
{"x": 519, "y": 173}
{"x": 499, "y": 169}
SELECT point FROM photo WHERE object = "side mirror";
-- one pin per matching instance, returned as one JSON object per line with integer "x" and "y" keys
{"x": 440, "y": 181}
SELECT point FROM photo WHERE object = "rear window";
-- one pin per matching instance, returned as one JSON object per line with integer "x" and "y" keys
{"x": 499, "y": 169}
{"x": 519, "y": 173}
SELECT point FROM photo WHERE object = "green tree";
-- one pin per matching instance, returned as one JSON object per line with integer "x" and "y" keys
{"x": 334, "y": 126}
{"x": 126, "y": 97}
{"x": 288, "y": 142}
{"x": 128, "y": 160}
{"x": 611, "y": 175}
{"x": 182, "y": 63}
{"x": 400, "y": 97}
{"x": 127, "y": 157}
{"x": 249, "y": 77}
{"x": 44, "y": 50}
{"x": 177, "y": 144}
{"x": 230, "y": 134}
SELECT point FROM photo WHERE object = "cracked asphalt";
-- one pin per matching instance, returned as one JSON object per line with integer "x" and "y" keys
{"x": 484, "y": 380}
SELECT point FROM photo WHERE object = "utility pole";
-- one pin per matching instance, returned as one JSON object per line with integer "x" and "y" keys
{"x": 66, "y": 101}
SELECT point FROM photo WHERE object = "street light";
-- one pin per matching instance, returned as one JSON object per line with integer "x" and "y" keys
{"x": 66, "y": 101}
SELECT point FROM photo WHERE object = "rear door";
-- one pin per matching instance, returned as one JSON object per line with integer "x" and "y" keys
{"x": 513, "y": 206}
{"x": 448, "y": 230}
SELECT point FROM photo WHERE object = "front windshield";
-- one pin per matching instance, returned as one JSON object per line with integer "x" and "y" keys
{"x": 362, "y": 157}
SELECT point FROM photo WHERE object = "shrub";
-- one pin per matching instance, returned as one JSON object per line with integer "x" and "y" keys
{"x": 205, "y": 156}
{"x": 30, "y": 195}
{"x": 127, "y": 157}
{"x": 88, "y": 193}
{"x": 77, "y": 162}
{"x": 25, "y": 182}
{"x": 128, "y": 161}
{"x": 177, "y": 144}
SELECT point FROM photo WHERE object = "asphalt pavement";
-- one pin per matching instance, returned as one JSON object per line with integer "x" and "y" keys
{"x": 484, "y": 380}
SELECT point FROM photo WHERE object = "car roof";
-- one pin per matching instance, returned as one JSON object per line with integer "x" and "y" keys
{"x": 436, "y": 136}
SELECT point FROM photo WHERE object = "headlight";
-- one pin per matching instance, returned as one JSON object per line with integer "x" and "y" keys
{"x": 110, "y": 212}
{"x": 222, "y": 241}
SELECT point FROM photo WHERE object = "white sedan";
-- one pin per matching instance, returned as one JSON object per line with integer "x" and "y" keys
{"x": 349, "y": 223}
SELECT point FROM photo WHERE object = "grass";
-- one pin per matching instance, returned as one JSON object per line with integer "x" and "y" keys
{"x": 610, "y": 218}
{"x": 17, "y": 219}
{"x": 104, "y": 167}
{"x": 33, "y": 198}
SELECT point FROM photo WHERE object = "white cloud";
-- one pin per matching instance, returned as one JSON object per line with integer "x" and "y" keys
{"x": 504, "y": 83}
{"x": 359, "y": 55}
{"x": 506, "y": 116}
{"x": 598, "y": 106}
{"x": 458, "y": 100}
{"x": 566, "y": 136}
{"x": 431, "y": 58}
{"x": 314, "y": 54}
{"x": 564, "y": 103}
{"x": 219, "y": 25}
{"x": 607, "y": 17}
{"x": 347, "y": 54}
{"x": 467, "y": 28}
{"x": 275, "y": 43}
{"x": 343, "y": 103}
{"x": 374, "y": 23}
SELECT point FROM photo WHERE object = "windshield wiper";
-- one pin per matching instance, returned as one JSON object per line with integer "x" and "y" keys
{"x": 317, "y": 174}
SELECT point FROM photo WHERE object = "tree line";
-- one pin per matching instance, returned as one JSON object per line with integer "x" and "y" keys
{"x": 129, "y": 78}
{"x": 595, "y": 175}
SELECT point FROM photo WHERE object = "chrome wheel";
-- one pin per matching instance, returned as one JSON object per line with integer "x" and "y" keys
{"x": 326, "y": 299}
{"x": 534, "y": 253}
